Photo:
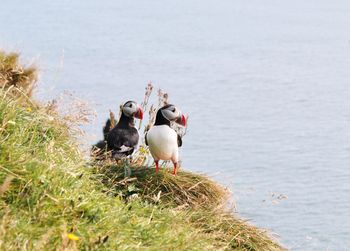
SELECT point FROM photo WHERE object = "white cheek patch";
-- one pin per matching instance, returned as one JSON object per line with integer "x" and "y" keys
{"x": 169, "y": 115}
{"x": 129, "y": 111}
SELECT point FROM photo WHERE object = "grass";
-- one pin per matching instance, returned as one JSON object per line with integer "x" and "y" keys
{"x": 184, "y": 190}
{"x": 51, "y": 199}
{"x": 13, "y": 74}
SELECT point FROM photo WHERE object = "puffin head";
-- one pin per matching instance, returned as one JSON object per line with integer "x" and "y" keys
{"x": 132, "y": 110}
{"x": 173, "y": 114}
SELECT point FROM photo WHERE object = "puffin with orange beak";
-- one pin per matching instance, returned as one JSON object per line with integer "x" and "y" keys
{"x": 163, "y": 141}
{"x": 124, "y": 137}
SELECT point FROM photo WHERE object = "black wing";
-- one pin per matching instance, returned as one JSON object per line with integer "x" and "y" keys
{"x": 146, "y": 139}
{"x": 122, "y": 141}
{"x": 179, "y": 140}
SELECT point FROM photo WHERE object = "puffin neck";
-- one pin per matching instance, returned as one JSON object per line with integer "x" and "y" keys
{"x": 125, "y": 121}
{"x": 160, "y": 120}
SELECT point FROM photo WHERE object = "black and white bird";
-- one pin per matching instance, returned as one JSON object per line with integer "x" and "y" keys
{"x": 163, "y": 141}
{"x": 124, "y": 137}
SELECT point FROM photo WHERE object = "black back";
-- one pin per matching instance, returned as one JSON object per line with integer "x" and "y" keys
{"x": 123, "y": 134}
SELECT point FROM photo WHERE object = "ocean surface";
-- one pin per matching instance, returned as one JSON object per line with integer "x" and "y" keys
{"x": 266, "y": 84}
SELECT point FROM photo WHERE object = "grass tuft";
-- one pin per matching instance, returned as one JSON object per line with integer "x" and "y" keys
{"x": 50, "y": 199}
{"x": 186, "y": 189}
{"x": 13, "y": 74}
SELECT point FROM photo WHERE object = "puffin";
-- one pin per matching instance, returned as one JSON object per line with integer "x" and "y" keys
{"x": 162, "y": 140}
{"x": 123, "y": 138}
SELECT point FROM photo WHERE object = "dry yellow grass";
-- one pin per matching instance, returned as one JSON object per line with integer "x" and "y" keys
{"x": 187, "y": 189}
{"x": 14, "y": 74}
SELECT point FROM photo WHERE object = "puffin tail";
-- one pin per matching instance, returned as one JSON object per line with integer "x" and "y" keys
{"x": 98, "y": 149}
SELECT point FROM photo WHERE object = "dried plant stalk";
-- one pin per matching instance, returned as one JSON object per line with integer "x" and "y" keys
{"x": 112, "y": 119}
{"x": 14, "y": 74}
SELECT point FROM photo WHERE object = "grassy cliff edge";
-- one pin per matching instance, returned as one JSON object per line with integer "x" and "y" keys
{"x": 51, "y": 199}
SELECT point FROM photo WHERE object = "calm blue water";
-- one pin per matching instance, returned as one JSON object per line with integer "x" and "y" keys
{"x": 266, "y": 84}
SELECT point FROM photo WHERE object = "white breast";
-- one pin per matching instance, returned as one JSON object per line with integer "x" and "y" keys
{"x": 162, "y": 142}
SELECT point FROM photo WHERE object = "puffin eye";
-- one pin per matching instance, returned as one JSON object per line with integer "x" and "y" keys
{"x": 173, "y": 110}
{"x": 130, "y": 105}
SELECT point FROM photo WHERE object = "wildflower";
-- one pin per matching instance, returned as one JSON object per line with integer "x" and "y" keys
{"x": 133, "y": 219}
{"x": 29, "y": 109}
{"x": 73, "y": 237}
{"x": 143, "y": 150}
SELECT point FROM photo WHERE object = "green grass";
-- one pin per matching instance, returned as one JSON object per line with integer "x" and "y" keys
{"x": 48, "y": 192}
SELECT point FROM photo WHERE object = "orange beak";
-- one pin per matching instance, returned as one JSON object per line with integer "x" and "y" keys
{"x": 139, "y": 113}
{"x": 181, "y": 120}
